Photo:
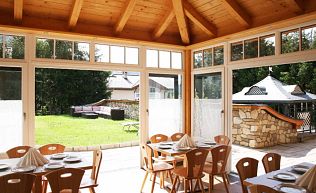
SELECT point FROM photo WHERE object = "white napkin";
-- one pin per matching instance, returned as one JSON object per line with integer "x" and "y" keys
{"x": 308, "y": 180}
{"x": 32, "y": 158}
{"x": 185, "y": 141}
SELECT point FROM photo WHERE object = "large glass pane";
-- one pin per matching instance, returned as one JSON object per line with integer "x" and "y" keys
{"x": 207, "y": 57}
{"x": 165, "y": 104}
{"x": 251, "y": 48}
{"x": 102, "y": 53}
{"x": 131, "y": 55}
{"x": 236, "y": 51}
{"x": 117, "y": 54}
{"x": 1, "y": 46}
{"x": 152, "y": 58}
{"x": 208, "y": 106}
{"x": 164, "y": 59}
{"x": 218, "y": 55}
{"x": 44, "y": 48}
{"x": 14, "y": 47}
{"x": 309, "y": 38}
{"x": 63, "y": 50}
{"x": 198, "y": 59}
{"x": 290, "y": 41}
{"x": 11, "y": 114}
{"x": 267, "y": 45}
{"x": 81, "y": 51}
{"x": 176, "y": 60}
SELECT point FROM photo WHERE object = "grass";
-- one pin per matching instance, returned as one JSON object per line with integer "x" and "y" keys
{"x": 77, "y": 131}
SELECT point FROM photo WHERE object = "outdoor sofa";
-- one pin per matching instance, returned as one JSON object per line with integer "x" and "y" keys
{"x": 102, "y": 111}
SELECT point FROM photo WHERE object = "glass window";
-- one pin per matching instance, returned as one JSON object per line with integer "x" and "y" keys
{"x": 176, "y": 60}
{"x": 198, "y": 59}
{"x": 63, "y": 50}
{"x": 236, "y": 51}
{"x": 219, "y": 55}
{"x": 81, "y": 51}
{"x": 1, "y": 46}
{"x": 131, "y": 55}
{"x": 117, "y": 54}
{"x": 164, "y": 59}
{"x": 102, "y": 53}
{"x": 309, "y": 38}
{"x": 44, "y": 48}
{"x": 251, "y": 48}
{"x": 152, "y": 58}
{"x": 207, "y": 57}
{"x": 267, "y": 45}
{"x": 290, "y": 41}
{"x": 14, "y": 47}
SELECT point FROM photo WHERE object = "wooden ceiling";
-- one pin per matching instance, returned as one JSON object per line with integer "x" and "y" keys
{"x": 180, "y": 22}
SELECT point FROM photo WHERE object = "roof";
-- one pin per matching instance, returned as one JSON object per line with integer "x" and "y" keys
{"x": 272, "y": 90}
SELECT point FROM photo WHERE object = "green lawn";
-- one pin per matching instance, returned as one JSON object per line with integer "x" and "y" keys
{"x": 73, "y": 131}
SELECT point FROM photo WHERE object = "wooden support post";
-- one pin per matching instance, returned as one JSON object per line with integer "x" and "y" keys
{"x": 187, "y": 92}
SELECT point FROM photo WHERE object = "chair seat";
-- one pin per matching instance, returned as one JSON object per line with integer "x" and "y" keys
{"x": 67, "y": 191}
{"x": 161, "y": 166}
{"x": 208, "y": 168}
{"x": 182, "y": 172}
{"x": 87, "y": 182}
{"x": 164, "y": 159}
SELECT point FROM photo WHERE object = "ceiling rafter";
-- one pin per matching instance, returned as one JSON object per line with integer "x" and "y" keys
{"x": 125, "y": 14}
{"x": 238, "y": 12}
{"x": 181, "y": 20}
{"x": 76, "y": 9}
{"x": 298, "y": 5}
{"x": 206, "y": 26}
{"x": 163, "y": 24}
{"x": 18, "y": 10}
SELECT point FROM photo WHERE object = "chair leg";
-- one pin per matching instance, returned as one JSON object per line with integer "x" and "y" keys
{"x": 191, "y": 186}
{"x": 185, "y": 185}
{"x": 225, "y": 182}
{"x": 211, "y": 182}
{"x": 227, "y": 178}
{"x": 92, "y": 190}
{"x": 170, "y": 174}
{"x": 144, "y": 181}
{"x": 201, "y": 185}
{"x": 153, "y": 184}
{"x": 174, "y": 184}
{"x": 44, "y": 188}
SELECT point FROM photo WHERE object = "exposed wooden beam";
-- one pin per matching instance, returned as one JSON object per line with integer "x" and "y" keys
{"x": 181, "y": 20}
{"x": 125, "y": 14}
{"x": 298, "y": 5}
{"x": 18, "y": 10}
{"x": 238, "y": 12}
{"x": 198, "y": 19}
{"x": 75, "y": 13}
{"x": 163, "y": 24}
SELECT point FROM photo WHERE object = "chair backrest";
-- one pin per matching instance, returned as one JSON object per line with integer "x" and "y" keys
{"x": 50, "y": 149}
{"x": 247, "y": 168}
{"x": 195, "y": 160}
{"x": 97, "y": 158}
{"x": 65, "y": 179}
{"x": 220, "y": 155}
{"x": 17, "y": 183}
{"x": 222, "y": 140}
{"x": 158, "y": 138}
{"x": 261, "y": 189}
{"x": 271, "y": 162}
{"x": 148, "y": 157}
{"x": 18, "y": 151}
{"x": 177, "y": 136}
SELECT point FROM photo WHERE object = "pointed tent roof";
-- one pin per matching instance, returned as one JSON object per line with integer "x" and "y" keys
{"x": 271, "y": 90}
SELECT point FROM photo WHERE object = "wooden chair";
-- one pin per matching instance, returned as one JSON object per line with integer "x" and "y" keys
{"x": 65, "y": 180}
{"x": 222, "y": 140}
{"x": 220, "y": 155}
{"x": 247, "y": 168}
{"x": 177, "y": 136}
{"x": 50, "y": 149}
{"x": 195, "y": 160}
{"x": 17, "y": 183}
{"x": 154, "y": 168}
{"x": 158, "y": 138}
{"x": 92, "y": 181}
{"x": 261, "y": 189}
{"x": 271, "y": 162}
{"x": 18, "y": 151}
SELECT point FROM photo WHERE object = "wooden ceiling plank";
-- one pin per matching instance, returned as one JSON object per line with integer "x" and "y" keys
{"x": 206, "y": 26}
{"x": 163, "y": 24}
{"x": 18, "y": 10}
{"x": 125, "y": 14}
{"x": 181, "y": 20}
{"x": 238, "y": 12}
{"x": 76, "y": 9}
{"x": 298, "y": 5}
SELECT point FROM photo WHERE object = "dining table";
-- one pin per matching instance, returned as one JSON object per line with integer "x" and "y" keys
{"x": 271, "y": 181}
{"x": 85, "y": 163}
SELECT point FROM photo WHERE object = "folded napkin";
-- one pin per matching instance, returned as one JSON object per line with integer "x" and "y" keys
{"x": 185, "y": 141}
{"x": 308, "y": 180}
{"x": 32, "y": 158}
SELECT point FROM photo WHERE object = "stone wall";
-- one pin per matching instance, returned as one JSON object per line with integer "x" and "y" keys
{"x": 130, "y": 107}
{"x": 259, "y": 127}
